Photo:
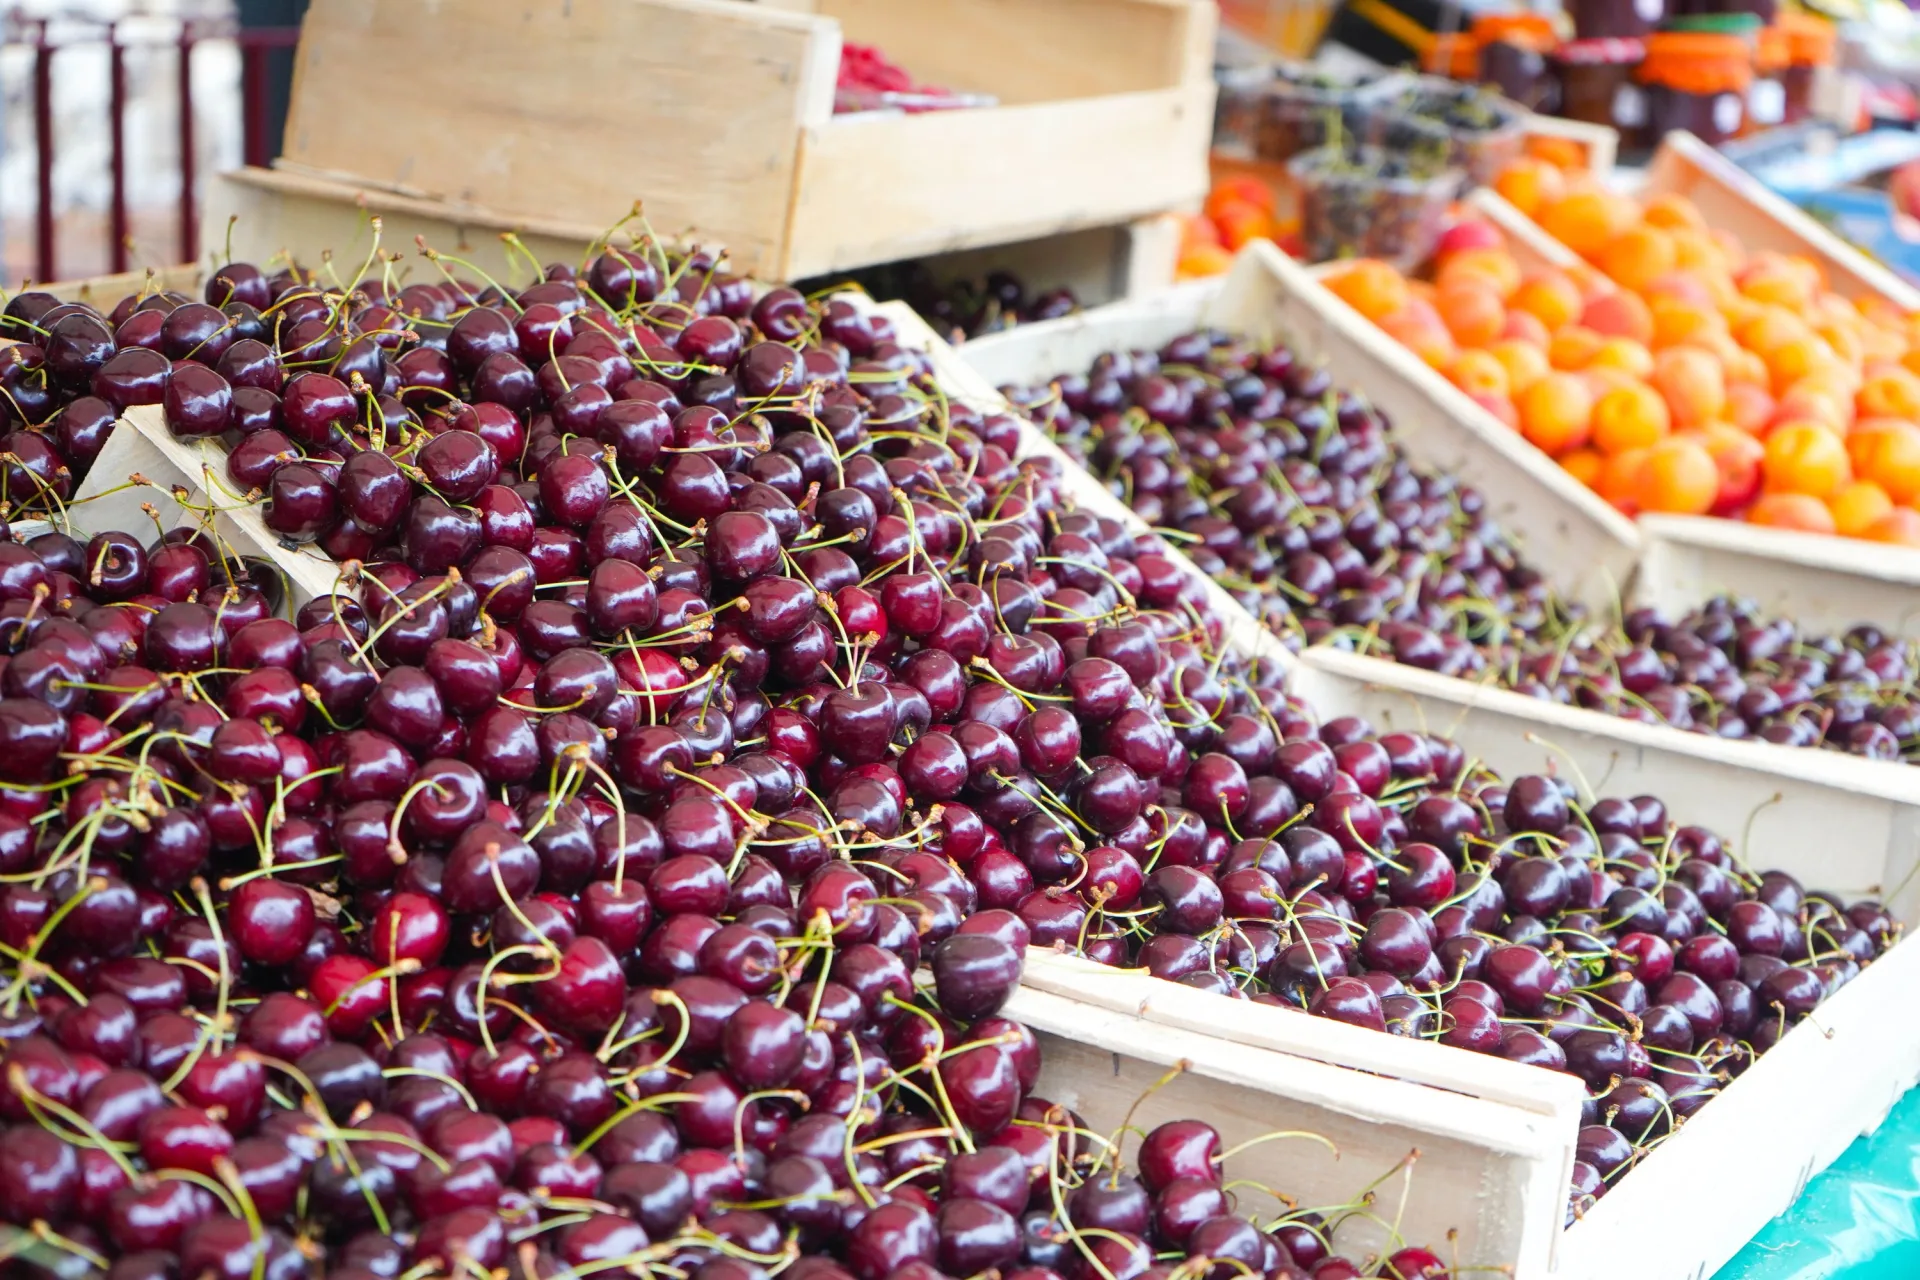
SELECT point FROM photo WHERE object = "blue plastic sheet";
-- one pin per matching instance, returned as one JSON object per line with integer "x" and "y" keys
{"x": 1860, "y": 1220}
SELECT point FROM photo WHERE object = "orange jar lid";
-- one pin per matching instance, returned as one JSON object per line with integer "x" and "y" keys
{"x": 1698, "y": 62}
{"x": 1810, "y": 39}
{"x": 1456, "y": 56}
{"x": 1771, "y": 53}
{"x": 1528, "y": 30}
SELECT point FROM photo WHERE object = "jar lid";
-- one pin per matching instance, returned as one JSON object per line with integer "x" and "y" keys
{"x": 1599, "y": 51}
{"x": 1744, "y": 25}
{"x": 1455, "y": 56}
{"x": 1529, "y": 30}
{"x": 1810, "y": 39}
{"x": 1698, "y": 62}
{"x": 1770, "y": 52}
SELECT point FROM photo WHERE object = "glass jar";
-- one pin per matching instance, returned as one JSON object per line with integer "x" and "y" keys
{"x": 1697, "y": 81}
{"x": 1598, "y": 86}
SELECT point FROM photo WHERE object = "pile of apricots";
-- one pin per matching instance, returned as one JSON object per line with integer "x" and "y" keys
{"x": 1238, "y": 209}
{"x": 1671, "y": 369}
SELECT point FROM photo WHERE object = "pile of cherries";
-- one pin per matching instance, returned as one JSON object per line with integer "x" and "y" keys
{"x": 1296, "y": 497}
{"x": 549, "y": 897}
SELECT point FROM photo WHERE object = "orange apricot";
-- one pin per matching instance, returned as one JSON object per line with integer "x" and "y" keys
{"x": 1900, "y": 526}
{"x": 1632, "y": 416}
{"x": 1500, "y": 407}
{"x": 1677, "y": 320}
{"x": 1791, "y": 511}
{"x": 1677, "y": 476}
{"x": 1887, "y": 452}
{"x": 1480, "y": 371}
{"x": 1585, "y": 221}
{"x": 1573, "y": 347}
{"x": 1556, "y": 412}
{"x": 1791, "y": 361}
{"x": 1737, "y": 455}
{"x": 1693, "y": 383}
{"x": 1749, "y": 406}
{"x": 1472, "y": 313}
{"x": 1240, "y": 224}
{"x": 1856, "y": 506}
{"x": 1241, "y": 190}
{"x": 1619, "y": 315}
{"x": 1371, "y": 287}
{"x": 1530, "y": 184}
{"x": 1624, "y": 354}
{"x": 1890, "y": 394}
{"x": 1551, "y": 297}
{"x": 1584, "y": 465}
{"x": 1200, "y": 260}
{"x": 1524, "y": 362}
{"x": 1805, "y": 457}
{"x": 1524, "y": 326}
{"x": 1619, "y": 481}
{"x": 1672, "y": 211}
{"x": 1638, "y": 256}
{"x": 1493, "y": 268}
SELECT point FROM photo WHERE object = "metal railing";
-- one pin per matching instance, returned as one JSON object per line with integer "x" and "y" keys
{"x": 47, "y": 38}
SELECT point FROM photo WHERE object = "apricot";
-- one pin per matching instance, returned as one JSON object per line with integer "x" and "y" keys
{"x": 1619, "y": 481}
{"x": 1587, "y": 220}
{"x": 1805, "y": 457}
{"x": 1677, "y": 476}
{"x": 1524, "y": 362}
{"x": 1529, "y": 185}
{"x": 1573, "y": 347}
{"x": 1677, "y": 320}
{"x": 1480, "y": 372}
{"x": 1584, "y": 465}
{"x": 1200, "y": 260}
{"x": 1693, "y": 383}
{"x": 1890, "y": 394}
{"x": 1791, "y": 511}
{"x": 1856, "y": 506}
{"x": 1749, "y": 406}
{"x": 1672, "y": 211}
{"x": 1632, "y": 416}
{"x": 1524, "y": 326}
{"x": 1556, "y": 412}
{"x": 1500, "y": 407}
{"x": 1241, "y": 190}
{"x": 1737, "y": 455}
{"x": 1493, "y": 268}
{"x": 1624, "y": 354}
{"x": 1900, "y": 526}
{"x": 1638, "y": 256}
{"x": 1240, "y": 224}
{"x": 1472, "y": 313}
{"x": 1371, "y": 287}
{"x": 1619, "y": 315}
{"x": 1551, "y": 297}
{"x": 1887, "y": 452}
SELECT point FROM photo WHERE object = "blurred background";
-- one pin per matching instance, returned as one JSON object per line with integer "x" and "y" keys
{"x": 129, "y": 102}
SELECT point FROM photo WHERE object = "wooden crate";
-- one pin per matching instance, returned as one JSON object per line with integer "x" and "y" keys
{"x": 1494, "y": 1139}
{"x": 1822, "y": 582}
{"x": 1569, "y": 530}
{"x": 181, "y": 476}
{"x": 1838, "y": 823}
{"x": 272, "y": 215}
{"x": 1734, "y": 200}
{"x": 720, "y": 115}
{"x": 103, "y": 292}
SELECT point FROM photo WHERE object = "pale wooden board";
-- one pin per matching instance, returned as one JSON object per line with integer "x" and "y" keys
{"x": 1838, "y": 822}
{"x": 1118, "y": 46}
{"x": 1734, "y": 200}
{"x": 1099, "y": 264}
{"x": 570, "y": 108}
{"x": 1531, "y": 247}
{"x": 103, "y": 292}
{"x": 1746, "y": 1156}
{"x": 270, "y": 214}
{"x": 1587, "y": 545}
{"x": 141, "y": 445}
{"x": 1485, "y": 1169}
{"x": 876, "y": 187}
{"x": 1823, "y": 583}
